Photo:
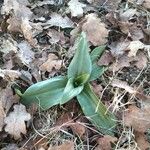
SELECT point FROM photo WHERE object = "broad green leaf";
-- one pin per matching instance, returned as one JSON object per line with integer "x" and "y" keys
{"x": 97, "y": 71}
{"x": 97, "y": 52}
{"x": 45, "y": 93}
{"x": 70, "y": 91}
{"x": 81, "y": 62}
{"x": 96, "y": 111}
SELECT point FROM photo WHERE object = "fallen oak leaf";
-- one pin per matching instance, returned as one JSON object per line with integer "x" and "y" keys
{"x": 96, "y": 34}
{"x": 132, "y": 30}
{"x": 15, "y": 121}
{"x": 66, "y": 120}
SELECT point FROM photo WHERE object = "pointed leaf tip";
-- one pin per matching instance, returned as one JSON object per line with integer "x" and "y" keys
{"x": 81, "y": 62}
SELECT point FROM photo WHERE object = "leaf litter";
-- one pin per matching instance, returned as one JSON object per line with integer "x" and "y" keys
{"x": 35, "y": 46}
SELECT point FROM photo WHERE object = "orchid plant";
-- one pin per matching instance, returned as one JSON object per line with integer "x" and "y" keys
{"x": 59, "y": 90}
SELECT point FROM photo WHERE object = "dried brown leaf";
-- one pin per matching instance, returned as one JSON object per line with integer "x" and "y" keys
{"x": 15, "y": 121}
{"x": 96, "y": 34}
{"x": 141, "y": 140}
{"x": 78, "y": 129}
{"x": 65, "y": 119}
{"x": 104, "y": 143}
{"x": 26, "y": 29}
{"x": 141, "y": 60}
{"x": 132, "y": 30}
{"x": 120, "y": 63}
{"x": 118, "y": 48}
{"x": 6, "y": 101}
{"x": 105, "y": 59}
{"x": 52, "y": 62}
{"x": 146, "y": 4}
{"x": 138, "y": 118}
{"x": 69, "y": 145}
{"x": 56, "y": 36}
{"x": 19, "y": 19}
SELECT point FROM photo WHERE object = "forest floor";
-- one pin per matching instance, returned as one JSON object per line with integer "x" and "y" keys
{"x": 37, "y": 42}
